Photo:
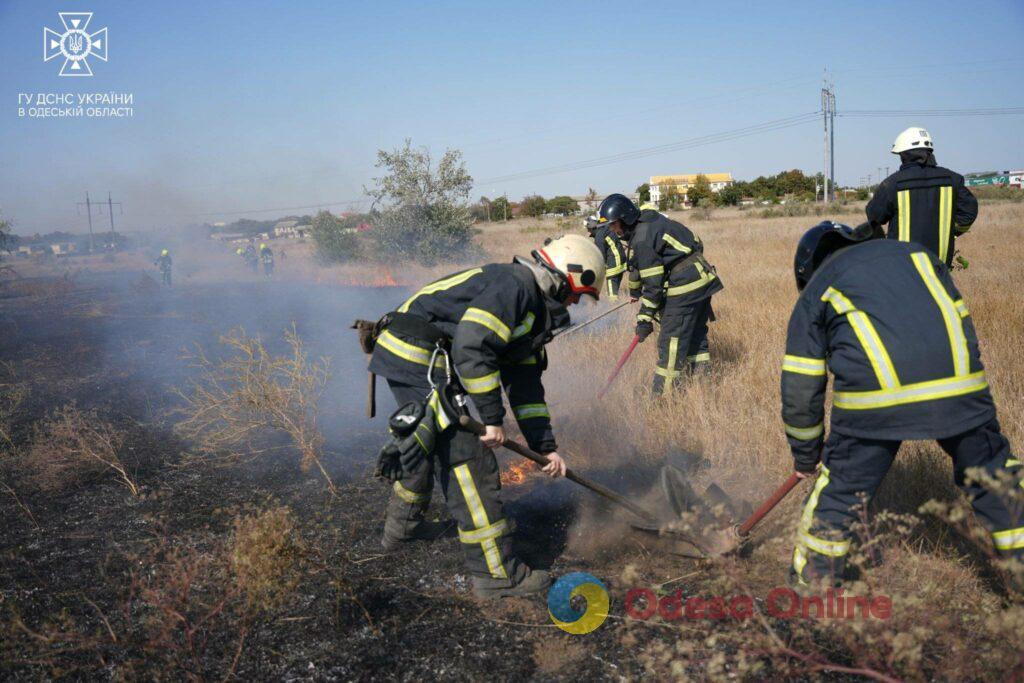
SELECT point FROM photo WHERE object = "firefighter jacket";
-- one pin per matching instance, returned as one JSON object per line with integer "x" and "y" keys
{"x": 614, "y": 252}
{"x": 164, "y": 262}
{"x": 498, "y": 321}
{"x": 266, "y": 256}
{"x": 926, "y": 204}
{"x": 658, "y": 245}
{"x": 885, "y": 318}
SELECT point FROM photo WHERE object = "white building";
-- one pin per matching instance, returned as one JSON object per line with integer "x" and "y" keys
{"x": 661, "y": 185}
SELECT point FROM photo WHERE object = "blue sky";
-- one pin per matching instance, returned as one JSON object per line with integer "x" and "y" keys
{"x": 242, "y": 106}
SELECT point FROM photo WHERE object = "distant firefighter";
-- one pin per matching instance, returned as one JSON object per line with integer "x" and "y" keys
{"x": 164, "y": 262}
{"x": 267, "y": 257}
{"x": 251, "y": 257}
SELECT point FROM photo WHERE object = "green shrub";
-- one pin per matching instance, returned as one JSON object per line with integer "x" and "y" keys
{"x": 335, "y": 242}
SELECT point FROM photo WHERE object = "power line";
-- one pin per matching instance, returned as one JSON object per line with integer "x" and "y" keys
{"x": 882, "y": 113}
{"x": 318, "y": 205}
{"x": 714, "y": 138}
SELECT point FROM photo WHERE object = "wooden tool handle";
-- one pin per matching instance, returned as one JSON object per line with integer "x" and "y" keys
{"x": 769, "y": 504}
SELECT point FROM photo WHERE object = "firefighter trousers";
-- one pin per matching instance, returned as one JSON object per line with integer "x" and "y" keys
{"x": 469, "y": 479}
{"x": 683, "y": 342}
{"x": 852, "y": 470}
{"x": 614, "y": 284}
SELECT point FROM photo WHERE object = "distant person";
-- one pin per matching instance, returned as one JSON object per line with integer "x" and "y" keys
{"x": 282, "y": 254}
{"x": 886, "y": 319}
{"x": 251, "y": 257}
{"x": 676, "y": 286}
{"x": 614, "y": 252}
{"x": 477, "y": 331}
{"x": 164, "y": 262}
{"x": 267, "y": 258}
{"x": 923, "y": 202}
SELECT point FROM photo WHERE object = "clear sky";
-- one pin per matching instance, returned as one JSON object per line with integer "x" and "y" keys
{"x": 242, "y": 106}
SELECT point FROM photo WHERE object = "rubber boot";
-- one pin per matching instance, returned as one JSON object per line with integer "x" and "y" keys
{"x": 405, "y": 523}
{"x": 487, "y": 588}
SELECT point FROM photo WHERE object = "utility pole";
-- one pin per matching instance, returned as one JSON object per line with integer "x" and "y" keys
{"x": 505, "y": 206}
{"x": 828, "y": 116}
{"x": 88, "y": 211}
{"x": 110, "y": 212}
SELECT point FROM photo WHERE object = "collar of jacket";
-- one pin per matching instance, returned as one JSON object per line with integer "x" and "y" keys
{"x": 557, "y": 315}
{"x": 917, "y": 157}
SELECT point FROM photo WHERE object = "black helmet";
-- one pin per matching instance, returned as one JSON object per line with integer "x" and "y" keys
{"x": 618, "y": 207}
{"x": 823, "y": 240}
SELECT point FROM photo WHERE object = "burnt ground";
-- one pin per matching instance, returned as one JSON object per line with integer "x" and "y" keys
{"x": 114, "y": 344}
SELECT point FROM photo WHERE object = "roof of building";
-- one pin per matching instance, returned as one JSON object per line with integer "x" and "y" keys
{"x": 690, "y": 178}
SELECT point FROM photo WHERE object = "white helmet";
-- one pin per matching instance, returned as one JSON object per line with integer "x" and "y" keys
{"x": 578, "y": 261}
{"x": 912, "y": 138}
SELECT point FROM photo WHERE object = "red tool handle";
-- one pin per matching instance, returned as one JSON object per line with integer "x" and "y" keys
{"x": 759, "y": 514}
{"x": 618, "y": 368}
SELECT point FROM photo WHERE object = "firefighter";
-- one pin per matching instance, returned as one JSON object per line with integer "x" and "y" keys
{"x": 251, "y": 257}
{"x": 675, "y": 283}
{"x": 614, "y": 253}
{"x": 164, "y": 262}
{"x": 478, "y": 330}
{"x": 885, "y": 317}
{"x": 923, "y": 202}
{"x": 267, "y": 259}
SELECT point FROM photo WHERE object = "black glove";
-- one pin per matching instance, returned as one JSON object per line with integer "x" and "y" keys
{"x": 806, "y": 463}
{"x": 389, "y": 465}
{"x": 644, "y": 329}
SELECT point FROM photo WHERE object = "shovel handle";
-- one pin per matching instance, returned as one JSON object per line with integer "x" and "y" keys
{"x": 619, "y": 366}
{"x": 769, "y": 504}
{"x": 471, "y": 425}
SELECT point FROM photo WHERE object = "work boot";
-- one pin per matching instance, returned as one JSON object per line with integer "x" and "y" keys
{"x": 423, "y": 531}
{"x": 488, "y": 588}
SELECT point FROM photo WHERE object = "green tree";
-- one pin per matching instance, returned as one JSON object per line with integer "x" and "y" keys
{"x": 670, "y": 199}
{"x": 700, "y": 193}
{"x": 425, "y": 216}
{"x": 533, "y": 205}
{"x": 501, "y": 209}
{"x": 729, "y": 195}
{"x": 5, "y": 232}
{"x": 335, "y": 242}
{"x": 644, "y": 192}
{"x": 563, "y": 205}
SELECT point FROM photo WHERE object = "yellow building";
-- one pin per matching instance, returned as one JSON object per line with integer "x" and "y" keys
{"x": 661, "y": 184}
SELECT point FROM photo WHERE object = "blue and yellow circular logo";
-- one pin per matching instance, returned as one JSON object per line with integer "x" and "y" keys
{"x": 560, "y": 603}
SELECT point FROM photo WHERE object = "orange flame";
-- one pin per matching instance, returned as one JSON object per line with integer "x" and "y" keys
{"x": 516, "y": 474}
{"x": 384, "y": 279}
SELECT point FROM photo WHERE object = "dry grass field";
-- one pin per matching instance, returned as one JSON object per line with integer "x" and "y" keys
{"x": 135, "y": 549}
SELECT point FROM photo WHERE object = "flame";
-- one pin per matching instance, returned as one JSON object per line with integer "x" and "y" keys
{"x": 516, "y": 474}
{"x": 384, "y": 279}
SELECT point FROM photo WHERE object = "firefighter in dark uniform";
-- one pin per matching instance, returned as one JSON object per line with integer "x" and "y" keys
{"x": 164, "y": 263}
{"x": 488, "y": 326}
{"x": 886, "y": 319}
{"x": 251, "y": 257}
{"x": 615, "y": 259}
{"x": 267, "y": 259}
{"x": 923, "y": 202}
{"x": 677, "y": 283}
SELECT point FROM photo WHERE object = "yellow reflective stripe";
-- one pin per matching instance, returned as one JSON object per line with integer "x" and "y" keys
{"x": 803, "y": 365}
{"x": 644, "y": 318}
{"x": 945, "y": 220}
{"x": 441, "y": 418}
{"x": 615, "y": 270}
{"x": 668, "y": 374}
{"x": 1011, "y": 539}
{"x": 824, "y": 547}
{"x": 481, "y": 385}
{"x": 488, "y": 532}
{"x": 525, "y": 326}
{"x": 615, "y": 250}
{"x": 492, "y": 554}
{"x": 950, "y": 314}
{"x": 440, "y": 286}
{"x": 903, "y": 214}
{"x": 488, "y": 320}
{"x": 702, "y": 357}
{"x": 961, "y": 308}
{"x": 868, "y": 336}
{"x": 911, "y": 393}
{"x": 704, "y": 279}
{"x": 961, "y": 229}
{"x": 1012, "y": 462}
{"x": 532, "y": 360}
{"x": 652, "y": 271}
{"x": 531, "y": 410}
{"x": 676, "y": 244}
{"x": 635, "y": 284}
{"x": 409, "y": 496}
{"x": 644, "y": 301}
{"x": 799, "y": 562}
{"x": 407, "y": 351}
{"x": 806, "y": 433}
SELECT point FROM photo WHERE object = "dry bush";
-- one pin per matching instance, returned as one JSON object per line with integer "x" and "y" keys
{"x": 265, "y": 557}
{"x": 72, "y": 445}
{"x": 242, "y": 399}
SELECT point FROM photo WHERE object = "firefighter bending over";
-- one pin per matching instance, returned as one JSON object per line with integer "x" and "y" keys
{"x": 477, "y": 331}
{"x": 676, "y": 285}
{"x": 886, "y": 319}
